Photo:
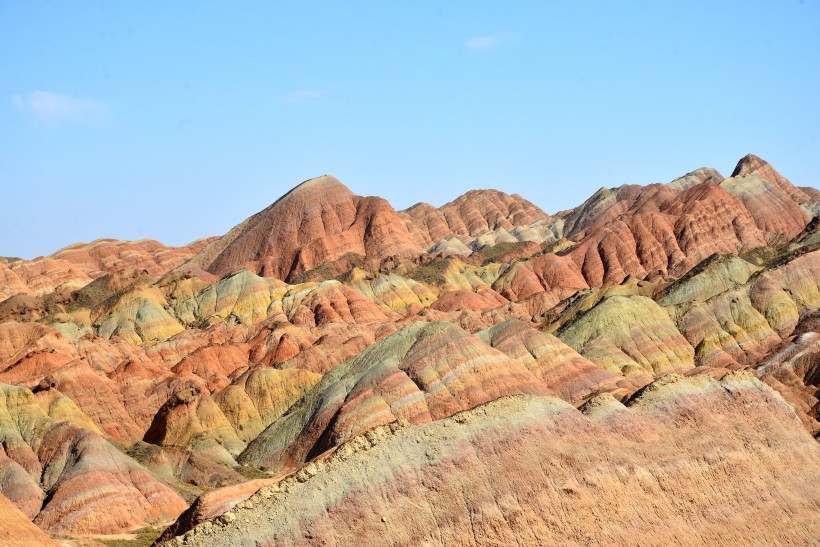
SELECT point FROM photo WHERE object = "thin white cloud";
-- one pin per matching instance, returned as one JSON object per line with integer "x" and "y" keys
{"x": 304, "y": 97}
{"x": 50, "y": 107}
{"x": 488, "y": 41}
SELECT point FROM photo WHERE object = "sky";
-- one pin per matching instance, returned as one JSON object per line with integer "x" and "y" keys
{"x": 177, "y": 120}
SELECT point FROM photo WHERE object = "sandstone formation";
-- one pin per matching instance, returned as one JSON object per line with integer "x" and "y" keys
{"x": 778, "y": 207}
{"x": 560, "y": 367}
{"x": 46, "y": 275}
{"x": 17, "y": 529}
{"x": 333, "y": 341}
{"x": 11, "y": 283}
{"x": 637, "y": 334}
{"x": 318, "y": 221}
{"x": 221, "y": 425}
{"x": 423, "y": 372}
{"x": 475, "y": 220}
{"x": 65, "y": 476}
{"x": 109, "y": 256}
{"x": 529, "y": 470}
{"x": 76, "y": 265}
{"x": 794, "y": 371}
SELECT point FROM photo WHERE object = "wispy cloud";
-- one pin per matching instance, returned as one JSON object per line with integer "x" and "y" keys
{"x": 50, "y": 107}
{"x": 305, "y": 96}
{"x": 488, "y": 41}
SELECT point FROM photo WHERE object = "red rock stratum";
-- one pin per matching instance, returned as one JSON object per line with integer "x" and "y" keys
{"x": 643, "y": 368}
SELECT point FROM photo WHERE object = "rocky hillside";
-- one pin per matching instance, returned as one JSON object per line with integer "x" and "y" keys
{"x": 533, "y": 470}
{"x": 480, "y": 372}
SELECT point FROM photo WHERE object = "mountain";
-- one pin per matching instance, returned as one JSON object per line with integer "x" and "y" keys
{"x": 532, "y": 470}
{"x": 477, "y": 219}
{"x": 76, "y": 265}
{"x": 318, "y": 221}
{"x": 331, "y": 365}
{"x": 778, "y": 207}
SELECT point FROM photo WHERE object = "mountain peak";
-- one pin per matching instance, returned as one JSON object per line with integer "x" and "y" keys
{"x": 320, "y": 184}
{"x": 319, "y": 188}
{"x": 318, "y": 221}
{"x": 774, "y": 202}
{"x": 749, "y": 164}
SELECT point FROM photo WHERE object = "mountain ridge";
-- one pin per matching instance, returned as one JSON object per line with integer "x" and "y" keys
{"x": 223, "y": 372}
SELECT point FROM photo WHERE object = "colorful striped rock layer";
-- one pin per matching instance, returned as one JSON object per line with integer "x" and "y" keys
{"x": 643, "y": 368}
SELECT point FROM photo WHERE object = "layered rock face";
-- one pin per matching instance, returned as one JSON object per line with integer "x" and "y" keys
{"x": 11, "y": 283}
{"x": 105, "y": 256}
{"x": 331, "y": 359}
{"x": 663, "y": 231}
{"x": 76, "y": 265}
{"x": 794, "y": 371}
{"x": 557, "y": 365}
{"x": 17, "y": 529}
{"x": 630, "y": 334}
{"x": 424, "y": 372}
{"x": 496, "y": 216}
{"x": 532, "y": 470}
{"x": 318, "y": 221}
{"x": 65, "y": 476}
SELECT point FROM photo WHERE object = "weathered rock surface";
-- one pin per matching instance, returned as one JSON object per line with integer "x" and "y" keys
{"x": 463, "y": 299}
{"x": 560, "y": 367}
{"x": 75, "y": 266}
{"x": 105, "y": 256}
{"x": 698, "y": 176}
{"x": 535, "y": 470}
{"x": 394, "y": 292}
{"x": 318, "y": 221}
{"x": 794, "y": 371}
{"x": 221, "y": 424}
{"x": 46, "y": 275}
{"x": 11, "y": 283}
{"x": 738, "y": 324}
{"x": 17, "y": 530}
{"x": 423, "y": 372}
{"x": 774, "y": 202}
{"x": 406, "y": 319}
{"x": 634, "y": 326}
{"x": 474, "y": 214}
{"x": 215, "y": 503}
{"x": 81, "y": 475}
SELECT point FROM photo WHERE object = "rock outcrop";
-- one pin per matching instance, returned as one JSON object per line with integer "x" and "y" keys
{"x": 774, "y": 202}
{"x": 496, "y": 216}
{"x": 562, "y": 369}
{"x": 67, "y": 477}
{"x": 75, "y": 266}
{"x": 318, "y": 221}
{"x": 629, "y": 335}
{"x": 530, "y": 469}
{"x": 18, "y": 530}
{"x": 105, "y": 256}
{"x": 423, "y": 372}
{"x": 136, "y": 375}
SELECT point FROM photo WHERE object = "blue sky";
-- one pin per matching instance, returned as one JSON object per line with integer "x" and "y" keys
{"x": 177, "y": 120}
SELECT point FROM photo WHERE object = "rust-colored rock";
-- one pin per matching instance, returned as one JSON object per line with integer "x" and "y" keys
{"x": 81, "y": 475}
{"x": 318, "y": 221}
{"x": 329, "y": 321}
{"x": 473, "y": 214}
{"x": 17, "y": 530}
{"x": 110, "y": 255}
{"x": 560, "y": 367}
{"x": 773, "y": 201}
